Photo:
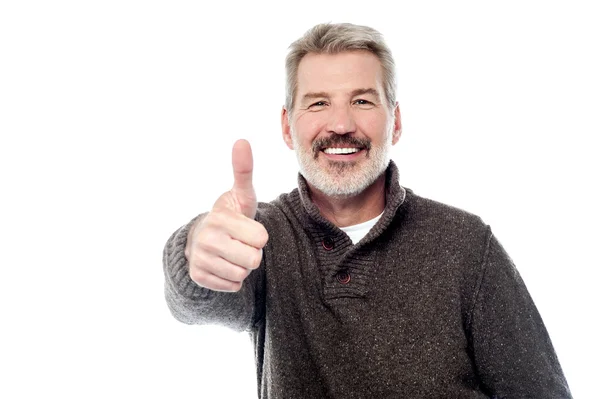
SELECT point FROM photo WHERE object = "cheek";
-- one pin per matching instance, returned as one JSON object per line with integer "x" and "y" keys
{"x": 373, "y": 125}
{"x": 308, "y": 127}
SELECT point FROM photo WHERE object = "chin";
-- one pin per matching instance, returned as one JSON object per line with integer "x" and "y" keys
{"x": 343, "y": 179}
{"x": 341, "y": 183}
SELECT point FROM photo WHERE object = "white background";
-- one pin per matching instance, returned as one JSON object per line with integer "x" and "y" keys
{"x": 117, "y": 120}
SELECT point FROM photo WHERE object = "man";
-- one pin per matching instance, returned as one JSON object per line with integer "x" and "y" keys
{"x": 352, "y": 286}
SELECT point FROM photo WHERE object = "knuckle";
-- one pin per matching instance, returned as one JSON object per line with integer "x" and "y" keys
{"x": 220, "y": 217}
{"x": 197, "y": 265}
{"x": 239, "y": 274}
{"x": 197, "y": 276}
{"x": 197, "y": 259}
{"x": 263, "y": 237}
{"x": 208, "y": 239}
{"x": 235, "y": 287}
{"x": 215, "y": 218}
{"x": 256, "y": 259}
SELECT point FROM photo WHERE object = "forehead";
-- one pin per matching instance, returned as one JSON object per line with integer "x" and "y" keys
{"x": 339, "y": 73}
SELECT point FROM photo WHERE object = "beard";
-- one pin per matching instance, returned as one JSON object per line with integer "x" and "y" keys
{"x": 342, "y": 179}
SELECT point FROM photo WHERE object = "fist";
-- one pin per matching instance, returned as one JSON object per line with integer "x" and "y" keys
{"x": 226, "y": 245}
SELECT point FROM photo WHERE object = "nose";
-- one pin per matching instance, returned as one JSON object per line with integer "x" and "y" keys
{"x": 341, "y": 120}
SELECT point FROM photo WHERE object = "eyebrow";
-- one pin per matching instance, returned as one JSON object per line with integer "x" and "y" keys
{"x": 356, "y": 92}
{"x": 359, "y": 92}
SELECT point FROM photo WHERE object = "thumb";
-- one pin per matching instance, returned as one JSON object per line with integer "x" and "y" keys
{"x": 243, "y": 190}
{"x": 241, "y": 159}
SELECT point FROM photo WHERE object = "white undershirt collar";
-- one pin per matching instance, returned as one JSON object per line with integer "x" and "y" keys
{"x": 358, "y": 231}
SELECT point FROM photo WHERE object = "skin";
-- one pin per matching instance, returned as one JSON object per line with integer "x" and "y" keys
{"x": 342, "y": 95}
{"x": 225, "y": 246}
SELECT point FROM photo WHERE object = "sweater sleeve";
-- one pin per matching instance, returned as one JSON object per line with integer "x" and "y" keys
{"x": 193, "y": 304}
{"x": 512, "y": 351}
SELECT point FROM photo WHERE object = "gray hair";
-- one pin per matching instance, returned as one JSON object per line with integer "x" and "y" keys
{"x": 334, "y": 39}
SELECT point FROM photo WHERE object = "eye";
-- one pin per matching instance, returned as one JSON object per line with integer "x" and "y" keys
{"x": 363, "y": 104}
{"x": 317, "y": 104}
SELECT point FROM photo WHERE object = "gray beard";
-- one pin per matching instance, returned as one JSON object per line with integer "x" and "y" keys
{"x": 342, "y": 179}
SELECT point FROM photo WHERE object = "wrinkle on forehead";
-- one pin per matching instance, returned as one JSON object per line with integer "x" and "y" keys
{"x": 339, "y": 74}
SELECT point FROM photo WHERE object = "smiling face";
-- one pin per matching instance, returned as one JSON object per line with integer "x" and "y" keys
{"x": 341, "y": 127}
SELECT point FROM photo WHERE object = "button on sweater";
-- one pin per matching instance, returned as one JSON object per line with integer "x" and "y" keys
{"x": 427, "y": 305}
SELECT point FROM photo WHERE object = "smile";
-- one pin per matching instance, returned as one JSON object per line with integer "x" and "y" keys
{"x": 343, "y": 153}
{"x": 341, "y": 150}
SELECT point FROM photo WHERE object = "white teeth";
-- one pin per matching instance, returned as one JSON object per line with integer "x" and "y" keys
{"x": 340, "y": 150}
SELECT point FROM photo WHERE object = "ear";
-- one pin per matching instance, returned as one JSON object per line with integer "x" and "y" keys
{"x": 397, "y": 125}
{"x": 285, "y": 129}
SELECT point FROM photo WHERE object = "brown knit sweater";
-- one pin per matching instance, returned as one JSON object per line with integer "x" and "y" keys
{"x": 426, "y": 305}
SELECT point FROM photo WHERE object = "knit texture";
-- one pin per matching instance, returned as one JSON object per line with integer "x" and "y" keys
{"x": 427, "y": 305}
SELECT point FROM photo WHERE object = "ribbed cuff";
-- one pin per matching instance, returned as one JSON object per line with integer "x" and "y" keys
{"x": 176, "y": 265}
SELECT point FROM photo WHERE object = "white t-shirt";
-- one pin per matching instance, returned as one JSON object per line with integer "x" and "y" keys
{"x": 358, "y": 231}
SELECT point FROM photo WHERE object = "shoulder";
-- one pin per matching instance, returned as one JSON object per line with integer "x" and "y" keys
{"x": 443, "y": 222}
{"x": 425, "y": 210}
{"x": 448, "y": 238}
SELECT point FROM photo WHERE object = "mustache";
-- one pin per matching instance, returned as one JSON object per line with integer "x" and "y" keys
{"x": 338, "y": 140}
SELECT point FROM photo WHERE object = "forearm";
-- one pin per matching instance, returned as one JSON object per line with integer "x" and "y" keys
{"x": 193, "y": 304}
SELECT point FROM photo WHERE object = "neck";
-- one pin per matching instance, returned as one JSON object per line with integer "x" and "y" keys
{"x": 349, "y": 211}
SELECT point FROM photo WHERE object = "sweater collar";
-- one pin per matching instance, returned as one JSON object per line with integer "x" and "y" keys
{"x": 394, "y": 197}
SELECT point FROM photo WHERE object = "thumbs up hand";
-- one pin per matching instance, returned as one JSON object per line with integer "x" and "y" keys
{"x": 226, "y": 245}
